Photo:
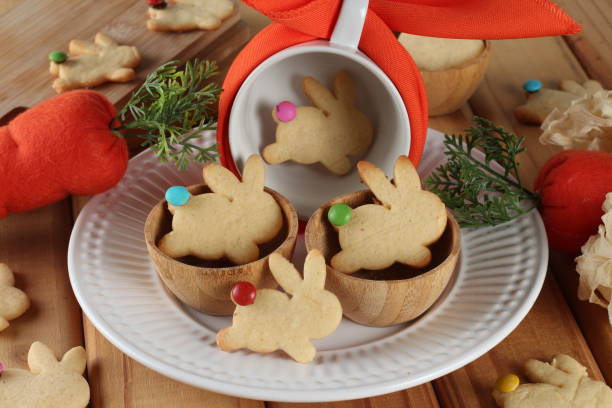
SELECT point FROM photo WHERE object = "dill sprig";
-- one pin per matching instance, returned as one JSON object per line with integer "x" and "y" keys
{"x": 478, "y": 194}
{"x": 172, "y": 108}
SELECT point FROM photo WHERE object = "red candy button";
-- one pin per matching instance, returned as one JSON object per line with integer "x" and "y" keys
{"x": 154, "y": 2}
{"x": 244, "y": 293}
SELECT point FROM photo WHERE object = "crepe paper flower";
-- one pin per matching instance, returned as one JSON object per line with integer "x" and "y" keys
{"x": 595, "y": 264}
{"x": 585, "y": 125}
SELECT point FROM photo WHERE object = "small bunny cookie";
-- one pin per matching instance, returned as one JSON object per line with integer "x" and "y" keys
{"x": 276, "y": 322}
{"x": 327, "y": 133}
{"x": 49, "y": 383}
{"x": 230, "y": 221}
{"x": 188, "y": 15}
{"x": 94, "y": 64}
{"x": 397, "y": 230}
{"x": 562, "y": 384}
{"x": 13, "y": 302}
{"x": 541, "y": 102}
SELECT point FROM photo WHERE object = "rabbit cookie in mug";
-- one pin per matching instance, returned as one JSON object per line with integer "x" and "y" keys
{"x": 400, "y": 229}
{"x": 269, "y": 320}
{"x": 229, "y": 222}
{"x": 49, "y": 383}
{"x": 13, "y": 302}
{"x": 327, "y": 133}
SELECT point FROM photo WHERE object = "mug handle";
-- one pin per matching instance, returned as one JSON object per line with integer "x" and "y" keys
{"x": 349, "y": 26}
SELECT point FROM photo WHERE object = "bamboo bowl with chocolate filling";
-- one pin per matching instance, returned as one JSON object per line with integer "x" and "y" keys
{"x": 389, "y": 296}
{"x": 206, "y": 285}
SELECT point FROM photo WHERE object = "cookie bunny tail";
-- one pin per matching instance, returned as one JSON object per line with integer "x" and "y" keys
{"x": 337, "y": 164}
{"x": 3, "y": 323}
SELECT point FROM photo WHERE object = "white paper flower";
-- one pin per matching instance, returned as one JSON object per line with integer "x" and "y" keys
{"x": 595, "y": 264}
{"x": 585, "y": 125}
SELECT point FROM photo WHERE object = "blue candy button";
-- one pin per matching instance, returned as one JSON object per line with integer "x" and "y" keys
{"x": 177, "y": 195}
{"x": 533, "y": 85}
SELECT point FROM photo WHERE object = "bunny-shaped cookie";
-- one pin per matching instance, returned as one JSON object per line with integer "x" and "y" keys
{"x": 328, "y": 133}
{"x": 541, "y": 103}
{"x": 13, "y": 302}
{"x": 187, "y": 15}
{"x": 228, "y": 222}
{"x": 95, "y": 63}
{"x": 562, "y": 384}
{"x": 398, "y": 230}
{"x": 275, "y": 322}
{"x": 49, "y": 383}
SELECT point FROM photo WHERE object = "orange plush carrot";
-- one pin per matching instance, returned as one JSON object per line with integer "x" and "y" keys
{"x": 72, "y": 143}
{"x": 572, "y": 186}
{"x": 59, "y": 147}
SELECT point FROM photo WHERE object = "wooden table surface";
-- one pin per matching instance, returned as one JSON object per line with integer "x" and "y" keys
{"x": 35, "y": 245}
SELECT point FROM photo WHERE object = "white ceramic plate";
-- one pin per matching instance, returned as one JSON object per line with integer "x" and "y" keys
{"x": 497, "y": 280}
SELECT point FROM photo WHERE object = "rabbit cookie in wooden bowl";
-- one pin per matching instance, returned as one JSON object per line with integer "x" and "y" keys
{"x": 211, "y": 236}
{"x": 391, "y": 250}
{"x": 268, "y": 320}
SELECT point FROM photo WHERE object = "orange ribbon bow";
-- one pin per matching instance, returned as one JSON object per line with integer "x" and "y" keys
{"x": 299, "y": 21}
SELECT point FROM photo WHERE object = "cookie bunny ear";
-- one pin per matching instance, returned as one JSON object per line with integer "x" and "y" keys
{"x": 405, "y": 175}
{"x": 314, "y": 270}
{"x": 344, "y": 90}
{"x": 104, "y": 40}
{"x": 285, "y": 273}
{"x": 40, "y": 357}
{"x": 6, "y": 276}
{"x": 75, "y": 360}
{"x": 375, "y": 179}
{"x": 253, "y": 175}
{"x": 221, "y": 180}
{"x": 319, "y": 95}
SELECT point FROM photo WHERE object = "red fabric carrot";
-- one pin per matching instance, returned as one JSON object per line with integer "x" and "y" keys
{"x": 62, "y": 146}
{"x": 68, "y": 145}
{"x": 573, "y": 185}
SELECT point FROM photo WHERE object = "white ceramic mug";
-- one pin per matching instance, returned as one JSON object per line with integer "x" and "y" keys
{"x": 279, "y": 78}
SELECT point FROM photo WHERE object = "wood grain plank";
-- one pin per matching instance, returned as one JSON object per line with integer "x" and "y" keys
{"x": 593, "y": 46}
{"x": 34, "y": 245}
{"x": 33, "y": 28}
{"x": 550, "y": 327}
{"x": 422, "y": 396}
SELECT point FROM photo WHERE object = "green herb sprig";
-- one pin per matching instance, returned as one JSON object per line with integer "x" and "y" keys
{"x": 171, "y": 109}
{"x": 478, "y": 194}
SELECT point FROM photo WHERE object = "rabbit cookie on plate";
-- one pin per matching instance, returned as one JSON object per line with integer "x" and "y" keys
{"x": 327, "y": 133}
{"x": 49, "y": 383}
{"x": 229, "y": 222}
{"x": 269, "y": 320}
{"x": 399, "y": 229}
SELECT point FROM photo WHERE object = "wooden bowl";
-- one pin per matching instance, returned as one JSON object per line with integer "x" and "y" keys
{"x": 206, "y": 285}
{"x": 448, "y": 90}
{"x": 389, "y": 296}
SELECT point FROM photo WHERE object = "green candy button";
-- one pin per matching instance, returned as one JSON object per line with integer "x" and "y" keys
{"x": 58, "y": 56}
{"x": 339, "y": 214}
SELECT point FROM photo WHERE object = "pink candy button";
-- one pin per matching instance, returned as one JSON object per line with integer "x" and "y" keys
{"x": 286, "y": 111}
